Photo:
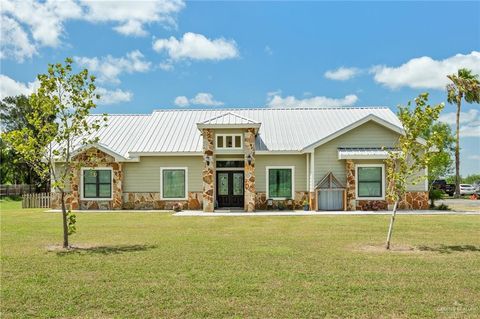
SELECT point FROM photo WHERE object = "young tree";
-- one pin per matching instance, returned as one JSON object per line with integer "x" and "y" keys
{"x": 69, "y": 98}
{"x": 441, "y": 161}
{"x": 465, "y": 85}
{"x": 412, "y": 154}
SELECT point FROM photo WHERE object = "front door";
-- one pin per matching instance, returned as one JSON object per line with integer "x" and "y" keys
{"x": 230, "y": 186}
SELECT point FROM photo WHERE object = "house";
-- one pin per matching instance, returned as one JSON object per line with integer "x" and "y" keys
{"x": 252, "y": 159}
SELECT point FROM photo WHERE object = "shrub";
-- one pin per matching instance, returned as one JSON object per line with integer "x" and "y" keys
{"x": 443, "y": 207}
{"x": 434, "y": 194}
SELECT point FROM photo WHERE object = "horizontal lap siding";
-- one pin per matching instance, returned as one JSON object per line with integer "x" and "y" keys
{"x": 262, "y": 161}
{"x": 369, "y": 134}
{"x": 144, "y": 176}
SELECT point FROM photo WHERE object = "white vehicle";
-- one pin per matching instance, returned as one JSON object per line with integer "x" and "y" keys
{"x": 466, "y": 189}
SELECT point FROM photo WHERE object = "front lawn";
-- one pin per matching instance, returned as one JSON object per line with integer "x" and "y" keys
{"x": 151, "y": 265}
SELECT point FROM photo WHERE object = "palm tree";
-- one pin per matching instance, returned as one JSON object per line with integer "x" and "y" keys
{"x": 465, "y": 86}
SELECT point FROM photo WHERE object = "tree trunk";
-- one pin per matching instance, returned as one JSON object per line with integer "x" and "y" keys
{"x": 457, "y": 149}
{"x": 390, "y": 228}
{"x": 65, "y": 223}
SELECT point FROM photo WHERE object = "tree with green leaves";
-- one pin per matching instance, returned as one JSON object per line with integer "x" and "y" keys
{"x": 441, "y": 163}
{"x": 14, "y": 111}
{"x": 412, "y": 154}
{"x": 68, "y": 98}
{"x": 465, "y": 86}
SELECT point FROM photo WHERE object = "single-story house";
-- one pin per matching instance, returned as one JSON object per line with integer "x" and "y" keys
{"x": 252, "y": 159}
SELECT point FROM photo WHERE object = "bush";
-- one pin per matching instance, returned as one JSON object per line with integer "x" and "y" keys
{"x": 443, "y": 207}
{"x": 434, "y": 194}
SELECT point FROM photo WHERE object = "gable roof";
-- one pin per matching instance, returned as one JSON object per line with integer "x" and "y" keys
{"x": 281, "y": 130}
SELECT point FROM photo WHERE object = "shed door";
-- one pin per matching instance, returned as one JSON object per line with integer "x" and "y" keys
{"x": 330, "y": 200}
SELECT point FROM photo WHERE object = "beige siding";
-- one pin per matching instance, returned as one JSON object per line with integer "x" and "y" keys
{"x": 369, "y": 134}
{"x": 144, "y": 176}
{"x": 298, "y": 161}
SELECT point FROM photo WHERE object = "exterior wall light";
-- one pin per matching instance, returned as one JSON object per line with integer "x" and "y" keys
{"x": 249, "y": 159}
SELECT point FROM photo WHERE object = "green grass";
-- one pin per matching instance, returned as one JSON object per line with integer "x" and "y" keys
{"x": 149, "y": 265}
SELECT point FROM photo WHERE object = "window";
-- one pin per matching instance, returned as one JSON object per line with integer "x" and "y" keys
{"x": 97, "y": 183}
{"x": 229, "y": 164}
{"x": 229, "y": 141}
{"x": 370, "y": 181}
{"x": 173, "y": 183}
{"x": 280, "y": 182}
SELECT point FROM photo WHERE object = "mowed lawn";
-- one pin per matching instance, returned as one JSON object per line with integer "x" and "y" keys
{"x": 154, "y": 265}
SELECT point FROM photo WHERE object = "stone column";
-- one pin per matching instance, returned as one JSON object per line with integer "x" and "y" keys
{"x": 117, "y": 186}
{"x": 350, "y": 170}
{"x": 249, "y": 147}
{"x": 208, "y": 171}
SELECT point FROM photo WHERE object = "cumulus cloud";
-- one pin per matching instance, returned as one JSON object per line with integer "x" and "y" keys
{"x": 131, "y": 16}
{"x": 10, "y": 87}
{"x": 113, "y": 96}
{"x": 342, "y": 73}
{"x": 275, "y": 100}
{"x": 193, "y": 46}
{"x": 469, "y": 122}
{"x": 108, "y": 68}
{"x": 425, "y": 72}
{"x": 28, "y": 25}
{"x": 199, "y": 99}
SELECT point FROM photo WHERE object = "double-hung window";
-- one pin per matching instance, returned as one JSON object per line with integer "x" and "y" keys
{"x": 97, "y": 183}
{"x": 280, "y": 182}
{"x": 370, "y": 181}
{"x": 173, "y": 182}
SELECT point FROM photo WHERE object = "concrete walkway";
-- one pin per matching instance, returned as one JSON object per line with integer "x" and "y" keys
{"x": 313, "y": 213}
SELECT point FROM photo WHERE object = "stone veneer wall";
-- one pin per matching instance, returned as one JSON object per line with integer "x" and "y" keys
{"x": 92, "y": 158}
{"x": 208, "y": 174}
{"x": 412, "y": 200}
{"x": 296, "y": 203}
{"x": 249, "y": 146}
{"x": 152, "y": 201}
{"x": 350, "y": 185}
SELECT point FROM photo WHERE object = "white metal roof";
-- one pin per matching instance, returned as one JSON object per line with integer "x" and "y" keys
{"x": 228, "y": 118}
{"x": 175, "y": 131}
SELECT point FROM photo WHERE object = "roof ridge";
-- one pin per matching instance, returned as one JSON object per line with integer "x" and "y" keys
{"x": 232, "y": 109}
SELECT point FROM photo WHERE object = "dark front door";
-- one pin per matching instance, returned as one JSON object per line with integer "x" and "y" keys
{"x": 230, "y": 187}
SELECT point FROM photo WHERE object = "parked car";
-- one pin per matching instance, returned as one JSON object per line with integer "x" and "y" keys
{"x": 449, "y": 189}
{"x": 442, "y": 185}
{"x": 477, "y": 187}
{"x": 467, "y": 189}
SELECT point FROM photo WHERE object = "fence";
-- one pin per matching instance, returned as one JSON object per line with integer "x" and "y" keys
{"x": 20, "y": 189}
{"x": 37, "y": 200}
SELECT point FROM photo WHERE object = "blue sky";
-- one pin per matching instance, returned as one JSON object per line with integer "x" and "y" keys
{"x": 173, "y": 54}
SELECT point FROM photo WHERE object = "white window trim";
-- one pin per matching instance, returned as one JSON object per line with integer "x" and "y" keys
{"x": 383, "y": 181}
{"x": 82, "y": 186}
{"x": 268, "y": 178}
{"x": 186, "y": 182}
{"x": 225, "y": 142}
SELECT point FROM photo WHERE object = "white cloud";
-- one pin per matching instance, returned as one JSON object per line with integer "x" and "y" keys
{"x": 196, "y": 47}
{"x": 474, "y": 157}
{"x": 425, "y": 72}
{"x": 10, "y": 87}
{"x": 15, "y": 42}
{"x": 342, "y": 73}
{"x": 181, "y": 101}
{"x": 113, "y": 96}
{"x": 469, "y": 122}
{"x": 108, "y": 68}
{"x": 131, "y": 16}
{"x": 275, "y": 100}
{"x": 28, "y": 25}
{"x": 199, "y": 99}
